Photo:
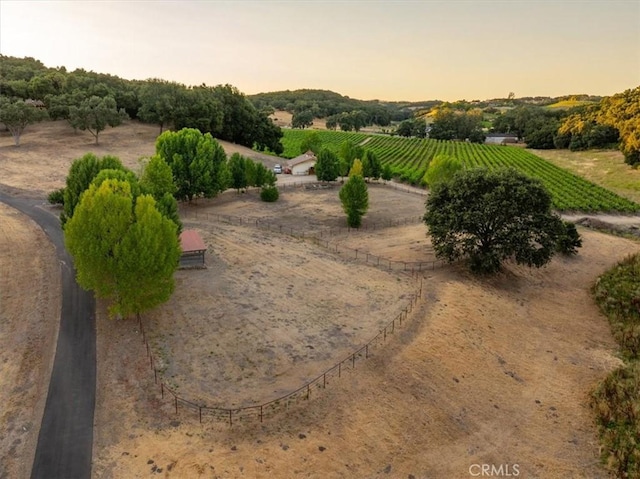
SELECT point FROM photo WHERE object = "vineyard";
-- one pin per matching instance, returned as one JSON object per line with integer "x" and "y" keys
{"x": 410, "y": 157}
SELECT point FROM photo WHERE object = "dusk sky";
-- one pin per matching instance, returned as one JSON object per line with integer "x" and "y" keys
{"x": 389, "y": 50}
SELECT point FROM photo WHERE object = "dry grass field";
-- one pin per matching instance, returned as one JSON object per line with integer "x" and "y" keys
{"x": 486, "y": 371}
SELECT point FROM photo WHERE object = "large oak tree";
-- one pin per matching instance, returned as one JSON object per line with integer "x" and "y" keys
{"x": 488, "y": 217}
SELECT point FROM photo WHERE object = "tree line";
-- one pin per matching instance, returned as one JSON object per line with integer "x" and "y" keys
{"x": 92, "y": 101}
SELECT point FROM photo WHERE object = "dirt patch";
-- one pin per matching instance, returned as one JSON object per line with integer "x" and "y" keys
{"x": 30, "y": 312}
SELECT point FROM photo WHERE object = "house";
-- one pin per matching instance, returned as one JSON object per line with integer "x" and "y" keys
{"x": 303, "y": 164}
{"x": 501, "y": 138}
{"x": 39, "y": 104}
{"x": 193, "y": 249}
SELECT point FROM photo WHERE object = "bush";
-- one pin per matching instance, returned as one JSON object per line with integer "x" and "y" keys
{"x": 269, "y": 194}
{"x": 616, "y": 403}
{"x": 569, "y": 240}
{"x": 56, "y": 197}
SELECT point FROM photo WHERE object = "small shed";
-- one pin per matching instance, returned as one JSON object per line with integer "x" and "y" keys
{"x": 193, "y": 249}
{"x": 303, "y": 164}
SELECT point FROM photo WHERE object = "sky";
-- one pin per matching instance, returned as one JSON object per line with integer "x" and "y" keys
{"x": 386, "y": 50}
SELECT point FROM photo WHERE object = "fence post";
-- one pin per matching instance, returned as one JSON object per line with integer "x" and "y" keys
{"x": 356, "y": 253}
{"x": 308, "y": 391}
{"x": 200, "y": 412}
{"x": 260, "y": 412}
{"x": 366, "y": 352}
{"x": 393, "y": 325}
{"x": 339, "y": 369}
{"x": 384, "y": 337}
{"x": 155, "y": 375}
{"x": 176, "y": 401}
{"x": 353, "y": 361}
{"x": 230, "y": 419}
{"x": 161, "y": 389}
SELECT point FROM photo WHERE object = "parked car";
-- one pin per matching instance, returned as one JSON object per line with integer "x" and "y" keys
{"x": 277, "y": 169}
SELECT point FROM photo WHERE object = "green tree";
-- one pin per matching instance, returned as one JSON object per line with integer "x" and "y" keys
{"x": 386, "y": 174}
{"x": 347, "y": 153}
{"x": 311, "y": 141}
{"x": 122, "y": 253}
{"x": 160, "y": 102}
{"x": 81, "y": 174}
{"x": 441, "y": 168}
{"x": 17, "y": 115}
{"x": 157, "y": 178}
{"x": 197, "y": 161}
{"x": 354, "y": 196}
{"x": 302, "y": 119}
{"x": 371, "y": 166}
{"x": 490, "y": 216}
{"x": 95, "y": 114}
{"x": 327, "y": 165}
{"x": 237, "y": 168}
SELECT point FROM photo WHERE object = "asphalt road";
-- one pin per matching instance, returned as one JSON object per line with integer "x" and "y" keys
{"x": 65, "y": 441}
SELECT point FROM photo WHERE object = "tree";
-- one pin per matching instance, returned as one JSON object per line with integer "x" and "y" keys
{"x": 311, "y": 141}
{"x": 124, "y": 253}
{"x": 160, "y": 102}
{"x": 81, "y": 173}
{"x": 347, "y": 153}
{"x": 354, "y": 196}
{"x": 237, "y": 168}
{"x": 441, "y": 168}
{"x": 157, "y": 178}
{"x": 490, "y": 216}
{"x": 327, "y": 165}
{"x": 302, "y": 119}
{"x": 17, "y": 115}
{"x": 95, "y": 114}
{"x": 371, "y": 165}
{"x": 386, "y": 174}
{"x": 197, "y": 161}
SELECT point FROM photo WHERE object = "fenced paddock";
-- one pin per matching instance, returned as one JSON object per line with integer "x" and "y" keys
{"x": 317, "y": 236}
{"x": 259, "y": 412}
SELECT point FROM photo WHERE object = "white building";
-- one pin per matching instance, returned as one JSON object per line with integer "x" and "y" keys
{"x": 303, "y": 164}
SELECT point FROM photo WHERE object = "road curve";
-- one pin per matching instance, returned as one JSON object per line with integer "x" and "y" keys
{"x": 65, "y": 441}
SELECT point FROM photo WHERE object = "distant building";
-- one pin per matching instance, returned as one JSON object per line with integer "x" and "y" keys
{"x": 500, "y": 138}
{"x": 303, "y": 164}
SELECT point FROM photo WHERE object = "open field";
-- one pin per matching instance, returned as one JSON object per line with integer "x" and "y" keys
{"x": 485, "y": 372}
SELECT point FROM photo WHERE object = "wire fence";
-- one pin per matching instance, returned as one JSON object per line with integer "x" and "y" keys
{"x": 320, "y": 238}
{"x": 262, "y": 411}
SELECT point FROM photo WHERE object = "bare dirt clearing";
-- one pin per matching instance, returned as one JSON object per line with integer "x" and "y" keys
{"x": 492, "y": 372}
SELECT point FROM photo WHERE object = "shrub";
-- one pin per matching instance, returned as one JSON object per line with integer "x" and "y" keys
{"x": 269, "y": 194}
{"x": 56, "y": 197}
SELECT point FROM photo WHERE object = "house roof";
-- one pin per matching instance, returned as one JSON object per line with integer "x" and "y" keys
{"x": 501, "y": 135}
{"x": 191, "y": 241}
{"x": 308, "y": 156}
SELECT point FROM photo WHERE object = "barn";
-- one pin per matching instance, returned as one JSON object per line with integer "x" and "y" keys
{"x": 303, "y": 164}
{"x": 193, "y": 250}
